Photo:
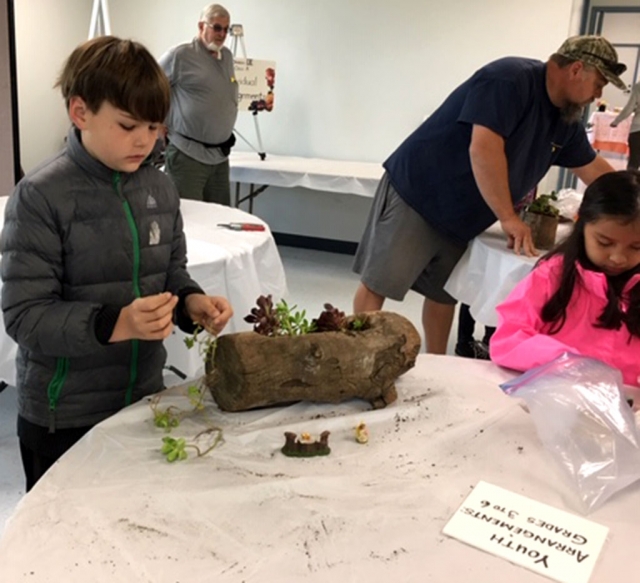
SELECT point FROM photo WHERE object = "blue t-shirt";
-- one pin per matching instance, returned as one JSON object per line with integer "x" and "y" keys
{"x": 431, "y": 170}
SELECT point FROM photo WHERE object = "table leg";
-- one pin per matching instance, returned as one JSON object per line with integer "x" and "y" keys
{"x": 253, "y": 193}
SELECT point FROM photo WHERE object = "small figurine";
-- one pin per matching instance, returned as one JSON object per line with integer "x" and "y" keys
{"x": 304, "y": 447}
{"x": 362, "y": 433}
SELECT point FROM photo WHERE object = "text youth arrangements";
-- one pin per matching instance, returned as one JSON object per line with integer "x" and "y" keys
{"x": 528, "y": 533}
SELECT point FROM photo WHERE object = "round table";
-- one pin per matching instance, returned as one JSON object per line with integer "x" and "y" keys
{"x": 488, "y": 271}
{"x": 114, "y": 510}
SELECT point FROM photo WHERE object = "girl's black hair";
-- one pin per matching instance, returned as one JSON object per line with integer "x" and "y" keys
{"x": 614, "y": 195}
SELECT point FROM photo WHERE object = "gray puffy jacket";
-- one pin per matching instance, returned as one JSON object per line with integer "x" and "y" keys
{"x": 78, "y": 238}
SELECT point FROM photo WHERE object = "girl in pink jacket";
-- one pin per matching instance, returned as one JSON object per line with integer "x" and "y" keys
{"x": 583, "y": 296}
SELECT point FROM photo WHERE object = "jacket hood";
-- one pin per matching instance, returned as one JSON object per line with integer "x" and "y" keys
{"x": 78, "y": 153}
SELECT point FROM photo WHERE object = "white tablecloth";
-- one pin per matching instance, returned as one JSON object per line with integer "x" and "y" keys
{"x": 237, "y": 265}
{"x": 488, "y": 271}
{"x": 113, "y": 510}
{"x": 360, "y": 178}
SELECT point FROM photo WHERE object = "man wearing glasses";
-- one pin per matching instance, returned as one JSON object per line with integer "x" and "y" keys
{"x": 490, "y": 142}
{"x": 204, "y": 108}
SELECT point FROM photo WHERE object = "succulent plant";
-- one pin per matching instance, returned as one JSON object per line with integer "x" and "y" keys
{"x": 281, "y": 319}
{"x": 332, "y": 319}
{"x": 542, "y": 205}
{"x": 264, "y": 318}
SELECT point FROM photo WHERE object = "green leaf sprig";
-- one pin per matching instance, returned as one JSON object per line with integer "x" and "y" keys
{"x": 203, "y": 340}
{"x": 293, "y": 323}
{"x": 176, "y": 449}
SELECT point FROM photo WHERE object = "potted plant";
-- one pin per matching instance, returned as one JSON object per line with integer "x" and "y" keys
{"x": 543, "y": 218}
{"x": 288, "y": 358}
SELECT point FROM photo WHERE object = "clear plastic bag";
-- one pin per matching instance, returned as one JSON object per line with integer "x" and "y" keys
{"x": 568, "y": 203}
{"x": 583, "y": 419}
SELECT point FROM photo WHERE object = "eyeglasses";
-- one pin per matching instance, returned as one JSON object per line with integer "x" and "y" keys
{"x": 217, "y": 27}
{"x": 616, "y": 68}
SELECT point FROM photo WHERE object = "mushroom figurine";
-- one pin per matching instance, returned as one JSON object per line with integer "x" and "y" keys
{"x": 362, "y": 433}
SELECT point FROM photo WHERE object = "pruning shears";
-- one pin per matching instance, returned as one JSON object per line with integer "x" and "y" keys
{"x": 242, "y": 226}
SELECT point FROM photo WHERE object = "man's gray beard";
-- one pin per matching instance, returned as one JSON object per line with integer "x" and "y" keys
{"x": 214, "y": 47}
{"x": 572, "y": 112}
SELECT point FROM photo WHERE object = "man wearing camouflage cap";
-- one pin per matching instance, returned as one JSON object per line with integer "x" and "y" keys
{"x": 592, "y": 52}
{"x": 597, "y": 52}
{"x": 490, "y": 142}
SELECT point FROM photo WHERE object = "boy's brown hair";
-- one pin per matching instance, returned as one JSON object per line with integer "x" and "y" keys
{"x": 122, "y": 72}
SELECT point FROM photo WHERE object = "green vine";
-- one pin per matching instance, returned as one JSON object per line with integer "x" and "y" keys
{"x": 203, "y": 340}
{"x": 175, "y": 449}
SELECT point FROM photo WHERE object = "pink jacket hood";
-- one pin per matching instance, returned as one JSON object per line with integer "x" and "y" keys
{"x": 521, "y": 340}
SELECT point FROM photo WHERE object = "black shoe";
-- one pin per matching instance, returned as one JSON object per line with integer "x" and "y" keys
{"x": 473, "y": 349}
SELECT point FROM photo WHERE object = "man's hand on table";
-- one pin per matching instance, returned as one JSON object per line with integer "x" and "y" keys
{"x": 519, "y": 236}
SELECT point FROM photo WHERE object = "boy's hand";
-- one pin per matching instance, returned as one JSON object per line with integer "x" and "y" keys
{"x": 149, "y": 318}
{"x": 211, "y": 312}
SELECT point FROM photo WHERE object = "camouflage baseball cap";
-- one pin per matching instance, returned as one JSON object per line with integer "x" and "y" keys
{"x": 596, "y": 51}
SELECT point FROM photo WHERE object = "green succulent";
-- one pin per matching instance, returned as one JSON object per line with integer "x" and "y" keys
{"x": 542, "y": 205}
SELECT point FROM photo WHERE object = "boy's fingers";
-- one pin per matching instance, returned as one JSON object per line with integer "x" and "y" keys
{"x": 151, "y": 303}
{"x": 159, "y": 323}
{"x": 159, "y": 331}
{"x": 167, "y": 309}
{"x": 152, "y": 322}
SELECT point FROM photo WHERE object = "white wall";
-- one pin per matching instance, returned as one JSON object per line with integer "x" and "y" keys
{"x": 46, "y": 32}
{"x": 354, "y": 77}
{"x": 6, "y": 119}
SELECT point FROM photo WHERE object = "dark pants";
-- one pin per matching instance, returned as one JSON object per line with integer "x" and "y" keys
{"x": 467, "y": 325}
{"x": 197, "y": 181}
{"x": 634, "y": 151}
{"x": 40, "y": 449}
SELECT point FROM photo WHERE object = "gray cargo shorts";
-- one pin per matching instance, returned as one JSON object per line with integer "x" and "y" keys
{"x": 400, "y": 251}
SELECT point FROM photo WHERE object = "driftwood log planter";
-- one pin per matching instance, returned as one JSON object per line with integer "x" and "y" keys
{"x": 543, "y": 229}
{"x": 249, "y": 370}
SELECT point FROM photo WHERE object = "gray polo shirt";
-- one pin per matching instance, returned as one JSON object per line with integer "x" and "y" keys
{"x": 204, "y": 99}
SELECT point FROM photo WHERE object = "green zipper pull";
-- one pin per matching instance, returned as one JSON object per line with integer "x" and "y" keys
{"x": 55, "y": 388}
{"x": 116, "y": 184}
{"x": 135, "y": 344}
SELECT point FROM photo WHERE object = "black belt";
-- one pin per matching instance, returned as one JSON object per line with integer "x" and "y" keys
{"x": 224, "y": 146}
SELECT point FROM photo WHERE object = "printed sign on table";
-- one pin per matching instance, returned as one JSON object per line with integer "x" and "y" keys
{"x": 549, "y": 541}
{"x": 256, "y": 82}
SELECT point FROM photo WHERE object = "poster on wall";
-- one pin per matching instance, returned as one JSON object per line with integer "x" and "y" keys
{"x": 256, "y": 82}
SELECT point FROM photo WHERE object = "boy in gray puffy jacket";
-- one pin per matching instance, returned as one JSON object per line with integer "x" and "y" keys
{"x": 94, "y": 257}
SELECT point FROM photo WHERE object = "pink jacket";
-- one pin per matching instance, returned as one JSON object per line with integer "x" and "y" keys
{"x": 521, "y": 341}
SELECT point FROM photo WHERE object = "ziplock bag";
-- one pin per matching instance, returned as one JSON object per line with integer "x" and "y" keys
{"x": 568, "y": 203}
{"x": 583, "y": 419}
